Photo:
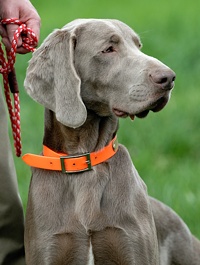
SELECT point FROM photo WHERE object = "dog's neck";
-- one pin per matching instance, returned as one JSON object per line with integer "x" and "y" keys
{"x": 93, "y": 135}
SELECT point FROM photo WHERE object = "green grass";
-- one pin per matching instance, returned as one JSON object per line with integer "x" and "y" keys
{"x": 165, "y": 146}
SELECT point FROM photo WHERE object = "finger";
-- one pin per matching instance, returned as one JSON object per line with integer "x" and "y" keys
{"x": 3, "y": 32}
{"x": 11, "y": 28}
{"x": 8, "y": 46}
{"x": 22, "y": 50}
{"x": 34, "y": 25}
{"x": 7, "y": 43}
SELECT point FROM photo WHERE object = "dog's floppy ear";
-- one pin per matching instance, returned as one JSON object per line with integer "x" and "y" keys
{"x": 52, "y": 80}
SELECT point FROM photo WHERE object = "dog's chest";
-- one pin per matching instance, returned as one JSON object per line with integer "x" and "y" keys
{"x": 89, "y": 193}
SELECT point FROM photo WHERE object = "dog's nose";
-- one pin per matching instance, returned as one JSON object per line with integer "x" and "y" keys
{"x": 164, "y": 79}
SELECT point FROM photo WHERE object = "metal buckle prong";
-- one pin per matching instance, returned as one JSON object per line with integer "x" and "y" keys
{"x": 88, "y": 162}
{"x": 115, "y": 145}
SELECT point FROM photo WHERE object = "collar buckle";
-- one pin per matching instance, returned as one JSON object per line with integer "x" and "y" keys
{"x": 88, "y": 163}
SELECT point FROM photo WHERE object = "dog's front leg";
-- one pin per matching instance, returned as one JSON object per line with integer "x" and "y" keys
{"x": 59, "y": 249}
{"x": 114, "y": 246}
{"x": 53, "y": 234}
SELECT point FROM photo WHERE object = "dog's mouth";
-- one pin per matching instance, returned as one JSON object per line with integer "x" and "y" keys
{"x": 155, "y": 107}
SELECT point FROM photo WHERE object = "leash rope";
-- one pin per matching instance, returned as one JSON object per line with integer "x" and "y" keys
{"x": 7, "y": 61}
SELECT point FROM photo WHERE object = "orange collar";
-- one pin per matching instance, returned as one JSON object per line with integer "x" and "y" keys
{"x": 70, "y": 164}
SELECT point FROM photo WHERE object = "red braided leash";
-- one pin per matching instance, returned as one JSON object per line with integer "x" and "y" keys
{"x": 7, "y": 61}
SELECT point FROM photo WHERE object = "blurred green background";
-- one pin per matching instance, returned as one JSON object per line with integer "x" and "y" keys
{"x": 164, "y": 146}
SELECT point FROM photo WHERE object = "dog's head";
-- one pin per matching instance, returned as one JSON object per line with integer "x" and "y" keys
{"x": 97, "y": 64}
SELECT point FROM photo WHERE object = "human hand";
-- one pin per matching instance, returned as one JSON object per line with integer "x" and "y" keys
{"x": 26, "y": 13}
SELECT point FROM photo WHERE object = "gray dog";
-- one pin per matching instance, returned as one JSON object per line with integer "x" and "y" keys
{"x": 87, "y": 204}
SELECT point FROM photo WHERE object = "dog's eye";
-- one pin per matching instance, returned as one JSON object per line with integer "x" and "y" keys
{"x": 109, "y": 50}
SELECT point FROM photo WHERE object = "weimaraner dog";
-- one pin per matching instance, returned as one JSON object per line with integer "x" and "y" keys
{"x": 87, "y": 204}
